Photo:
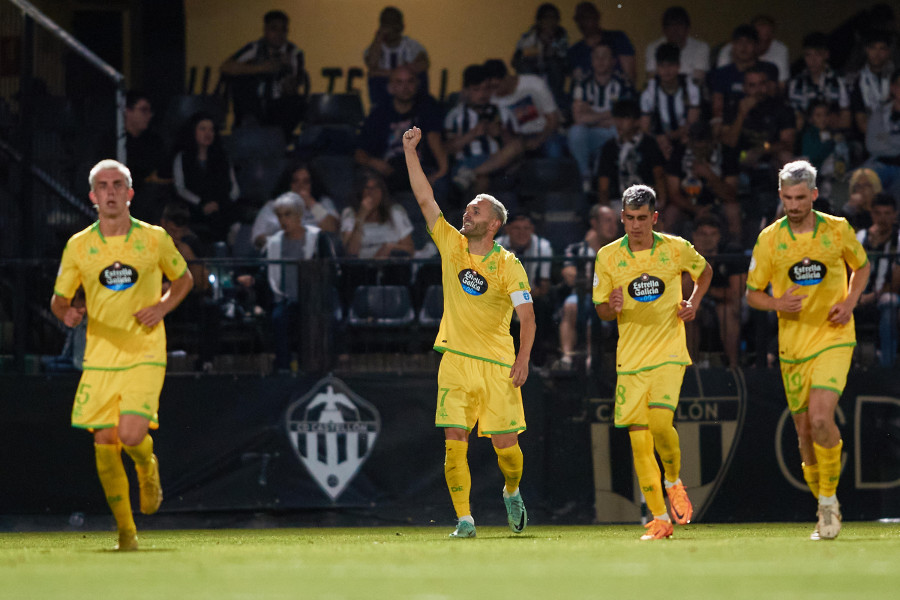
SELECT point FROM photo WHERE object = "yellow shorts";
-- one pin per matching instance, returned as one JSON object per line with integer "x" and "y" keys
{"x": 472, "y": 390}
{"x": 104, "y": 395}
{"x": 826, "y": 371}
{"x": 637, "y": 393}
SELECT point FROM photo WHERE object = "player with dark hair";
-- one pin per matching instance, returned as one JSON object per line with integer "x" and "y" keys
{"x": 805, "y": 256}
{"x": 120, "y": 262}
{"x": 481, "y": 374}
{"x": 637, "y": 281}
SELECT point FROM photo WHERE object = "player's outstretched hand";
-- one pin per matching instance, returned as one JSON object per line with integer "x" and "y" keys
{"x": 840, "y": 313}
{"x": 617, "y": 299}
{"x": 789, "y": 302}
{"x": 411, "y": 138}
{"x": 151, "y": 315}
{"x": 686, "y": 311}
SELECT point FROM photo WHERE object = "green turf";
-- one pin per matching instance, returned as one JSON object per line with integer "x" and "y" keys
{"x": 732, "y": 561}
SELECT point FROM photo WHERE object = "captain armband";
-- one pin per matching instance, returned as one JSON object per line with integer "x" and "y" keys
{"x": 520, "y": 297}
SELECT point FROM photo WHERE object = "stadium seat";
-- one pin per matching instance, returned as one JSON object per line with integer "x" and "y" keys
{"x": 335, "y": 109}
{"x": 257, "y": 178}
{"x": 336, "y": 172}
{"x": 255, "y": 143}
{"x": 562, "y": 228}
{"x": 181, "y": 108}
{"x": 383, "y": 306}
{"x": 432, "y": 307}
{"x": 540, "y": 175}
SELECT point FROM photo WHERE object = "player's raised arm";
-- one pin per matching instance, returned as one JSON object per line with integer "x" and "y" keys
{"x": 417, "y": 179}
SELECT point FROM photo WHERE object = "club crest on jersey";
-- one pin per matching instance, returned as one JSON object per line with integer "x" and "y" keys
{"x": 472, "y": 282}
{"x": 118, "y": 277}
{"x": 332, "y": 430}
{"x": 807, "y": 272}
{"x": 646, "y": 288}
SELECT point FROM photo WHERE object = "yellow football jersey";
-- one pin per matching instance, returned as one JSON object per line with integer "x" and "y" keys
{"x": 817, "y": 262}
{"x": 477, "y": 304}
{"x": 650, "y": 332}
{"x": 121, "y": 275}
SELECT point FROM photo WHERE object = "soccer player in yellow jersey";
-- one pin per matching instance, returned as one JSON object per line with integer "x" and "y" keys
{"x": 480, "y": 374}
{"x": 120, "y": 262}
{"x": 637, "y": 281}
{"x": 805, "y": 255}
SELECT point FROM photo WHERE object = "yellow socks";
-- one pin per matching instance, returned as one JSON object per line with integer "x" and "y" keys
{"x": 510, "y": 461}
{"x": 141, "y": 453}
{"x": 456, "y": 471}
{"x": 115, "y": 484}
{"x": 665, "y": 438}
{"x": 829, "y": 460}
{"x": 811, "y": 475}
{"x": 647, "y": 470}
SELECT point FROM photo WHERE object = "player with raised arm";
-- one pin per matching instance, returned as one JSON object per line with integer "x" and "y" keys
{"x": 637, "y": 281}
{"x": 805, "y": 255}
{"x": 481, "y": 375}
{"x": 120, "y": 262}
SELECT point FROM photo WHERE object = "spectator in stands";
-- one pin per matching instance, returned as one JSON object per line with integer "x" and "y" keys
{"x": 702, "y": 179}
{"x": 864, "y": 186}
{"x": 818, "y": 82}
{"x": 587, "y": 18}
{"x": 721, "y": 310}
{"x": 825, "y": 147}
{"x": 632, "y": 157}
{"x": 879, "y": 301}
{"x": 883, "y": 139}
{"x": 726, "y": 83}
{"x": 531, "y": 103}
{"x": 204, "y": 178}
{"x": 592, "y": 101}
{"x": 872, "y": 86}
{"x": 542, "y": 51}
{"x": 671, "y": 101}
{"x": 318, "y": 209}
{"x": 694, "y": 54}
{"x": 374, "y": 227}
{"x": 768, "y": 49}
{"x": 266, "y": 76}
{"x": 296, "y": 242}
{"x": 145, "y": 156}
{"x": 380, "y": 139}
{"x": 198, "y": 307}
{"x": 577, "y": 308}
{"x": 482, "y": 137}
{"x": 764, "y": 133}
{"x": 535, "y": 252}
{"x": 391, "y": 49}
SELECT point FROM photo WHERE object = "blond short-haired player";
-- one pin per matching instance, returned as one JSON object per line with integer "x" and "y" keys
{"x": 481, "y": 375}
{"x": 120, "y": 262}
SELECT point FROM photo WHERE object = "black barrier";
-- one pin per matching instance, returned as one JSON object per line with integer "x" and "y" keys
{"x": 367, "y": 442}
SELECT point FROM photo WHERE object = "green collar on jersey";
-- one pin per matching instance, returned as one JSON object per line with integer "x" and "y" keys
{"x": 497, "y": 247}
{"x": 819, "y": 219}
{"x": 656, "y": 238}
{"x": 135, "y": 224}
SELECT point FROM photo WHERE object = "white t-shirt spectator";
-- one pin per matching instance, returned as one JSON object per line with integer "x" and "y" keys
{"x": 694, "y": 56}
{"x": 375, "y": 235}
{"x": 529, "y": 103}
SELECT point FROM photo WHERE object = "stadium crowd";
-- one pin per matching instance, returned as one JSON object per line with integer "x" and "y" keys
{"x": 557, "y": 132}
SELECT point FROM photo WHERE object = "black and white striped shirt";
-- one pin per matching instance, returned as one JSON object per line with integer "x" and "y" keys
{"x": 601, "y": 97}
{"x": 668, "y": 112}
{"x": 871, "y": 90}
{"x": 462, "y": 118}
{"x": 829, "y": 87}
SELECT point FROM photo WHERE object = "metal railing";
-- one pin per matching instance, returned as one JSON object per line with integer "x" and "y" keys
{"x": 232, "y": 322}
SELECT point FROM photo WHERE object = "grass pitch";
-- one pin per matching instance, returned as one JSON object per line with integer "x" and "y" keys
{"x": 702, "y": 561}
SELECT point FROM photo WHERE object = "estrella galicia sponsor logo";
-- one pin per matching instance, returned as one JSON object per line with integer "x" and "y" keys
{"x": 807, "y": 272}
{"x": 472, "y": 282}
{"x": 646, "y": 288}
{"x": 332, "y": 430}
{"x": 118, "y": 277}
